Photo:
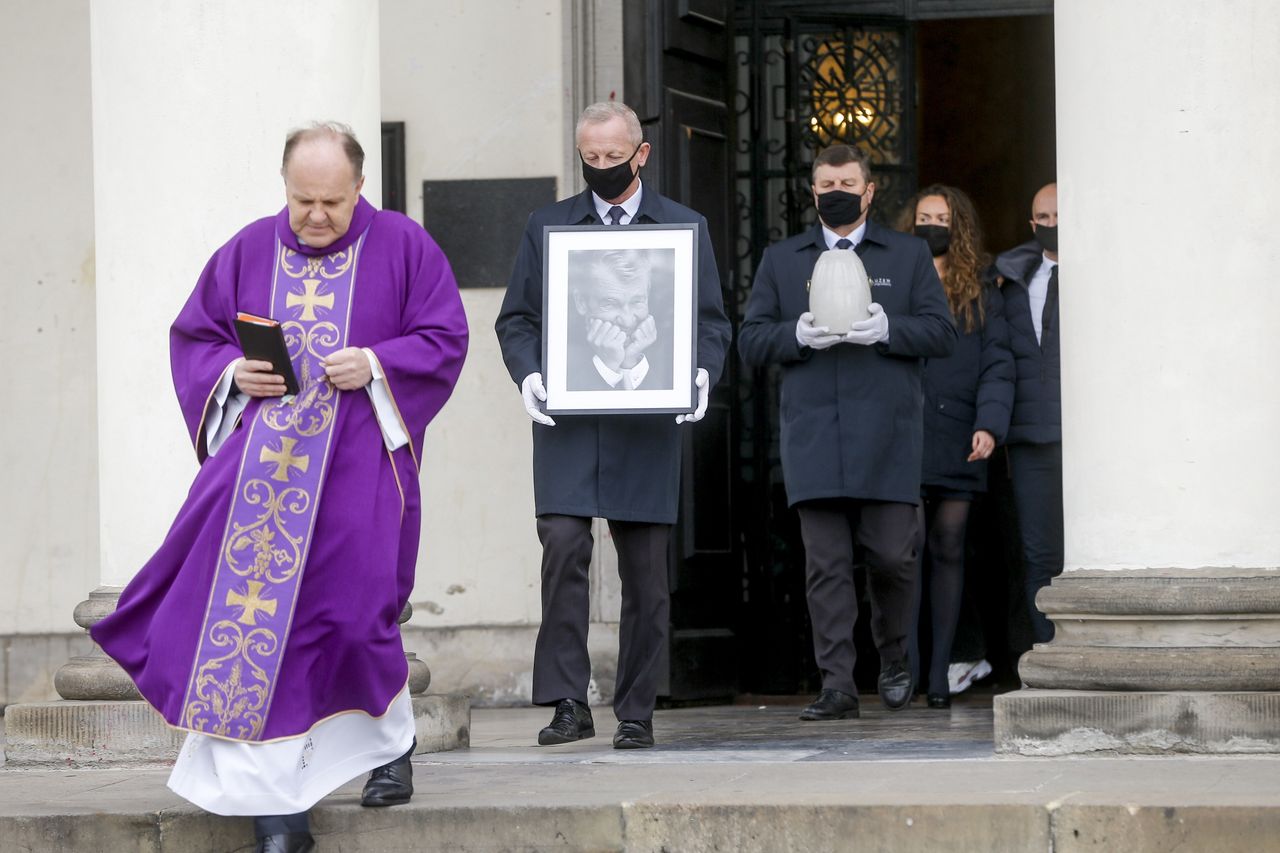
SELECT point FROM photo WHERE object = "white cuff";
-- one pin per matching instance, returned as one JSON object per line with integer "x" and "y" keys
{"x": 384, "y": 409}
{"x": 630, "y": 377}
{"x": 223, "y": 414}
{"x": 612, "y": 377}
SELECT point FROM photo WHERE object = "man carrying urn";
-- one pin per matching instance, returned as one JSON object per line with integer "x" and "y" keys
{"x": 852, "y": 429}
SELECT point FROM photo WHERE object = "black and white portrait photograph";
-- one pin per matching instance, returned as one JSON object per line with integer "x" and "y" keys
{"x": 619, "y": 318}
{"x": 620, "y": 304}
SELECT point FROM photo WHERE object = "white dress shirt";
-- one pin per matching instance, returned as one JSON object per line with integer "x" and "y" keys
{"x": 631, "y": 206}
{"x": 1038, "y": 292}
{"x": 855, "y": 236}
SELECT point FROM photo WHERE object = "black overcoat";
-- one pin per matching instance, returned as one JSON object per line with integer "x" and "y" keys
{"x": 624, "y": 467}
{"x": 851, "y": 416}
{"x": 1037, "y": 397}
{"x": 969, "y": 390}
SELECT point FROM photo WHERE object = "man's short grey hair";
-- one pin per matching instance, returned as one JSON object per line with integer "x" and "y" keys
{"x": 625, "y": 266}
{"x": 326, "y": 130}
{"x": 603, "y": 111}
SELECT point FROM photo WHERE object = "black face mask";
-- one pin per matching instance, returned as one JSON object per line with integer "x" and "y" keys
{"x": 838, "y": 208}
{"x": 937, "y": 236}
{"x": 611, "y": 182}
{"x": 1047, "y": 237}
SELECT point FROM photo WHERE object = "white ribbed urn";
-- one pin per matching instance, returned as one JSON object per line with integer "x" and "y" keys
{"x": 839, "y": 291}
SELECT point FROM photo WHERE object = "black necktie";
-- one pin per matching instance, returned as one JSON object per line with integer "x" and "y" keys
{"x": 1050, "y": 304}
{"x": 615, "y": 215}
{"x": 844, "y": 243}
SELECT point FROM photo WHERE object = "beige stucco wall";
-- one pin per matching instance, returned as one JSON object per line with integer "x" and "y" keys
{"x": 48, "y": 435}
{"x": 474, "y": 107}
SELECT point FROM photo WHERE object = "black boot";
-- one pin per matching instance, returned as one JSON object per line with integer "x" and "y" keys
{"x": 290, "y": 833}
{"x": 391, "y": 784}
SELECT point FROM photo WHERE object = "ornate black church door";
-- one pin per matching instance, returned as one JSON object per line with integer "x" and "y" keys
{"x": 676, "y": 80}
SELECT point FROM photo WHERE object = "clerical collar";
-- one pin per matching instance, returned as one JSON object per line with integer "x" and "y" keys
{"x": 630, "y": 206}
{"x": 855, "y": 236}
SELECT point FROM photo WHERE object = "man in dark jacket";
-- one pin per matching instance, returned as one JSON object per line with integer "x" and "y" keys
{"x": 1029, "y": 278}
{"x": 624, "y": 468}
{"x": 851, "y": 421}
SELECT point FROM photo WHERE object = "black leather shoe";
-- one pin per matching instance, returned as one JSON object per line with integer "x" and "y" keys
{"x": 633, "y": 734}
{"x": 895, "y": 686}
{"x": 938, "y": 701}
{"x": 571, "y": 721}
{"x": 391, "y": 784}
{"x": 287, "y": 842}
{"x": 832, "y": 705}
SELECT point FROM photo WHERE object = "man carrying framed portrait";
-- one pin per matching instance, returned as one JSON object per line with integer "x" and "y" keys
{"x": 612, "y": 322}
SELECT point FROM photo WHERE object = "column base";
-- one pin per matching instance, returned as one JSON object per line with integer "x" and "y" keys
{"x": 442, "y": 721}
{"x": 88, "y": 734}
{"x": 1083, "y": 722}
{"x": 122, "y": 734}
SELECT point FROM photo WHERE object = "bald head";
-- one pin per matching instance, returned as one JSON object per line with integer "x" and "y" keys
{"x": 330, "y": 131}
{"x": 1044, "y": 219}
{"x": 1045, "y": 203}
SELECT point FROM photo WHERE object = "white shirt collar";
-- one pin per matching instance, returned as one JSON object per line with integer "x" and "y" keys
{"x": 631, "y": 205}
{"x": 855, "y": 236}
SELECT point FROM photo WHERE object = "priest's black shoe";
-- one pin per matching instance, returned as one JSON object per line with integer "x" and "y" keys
{"x": 633, "y": 734}
{"x": 571, "y": 721}
{"x": 832, "y": 705}
{"x": 939, "y": 701}
{"x": 391, "y": 784}
{"x": 287, "y": 842}
{"x": 895, "y": 686}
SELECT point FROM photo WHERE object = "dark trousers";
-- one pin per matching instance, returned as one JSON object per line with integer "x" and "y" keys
{"x": 1036, "y": 470}
{"x": 561, "y": 665}
{"x": 887, "y": 534}
{"x": 279, "y": 824}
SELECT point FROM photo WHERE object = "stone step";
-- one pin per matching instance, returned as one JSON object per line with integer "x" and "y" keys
{"x": 667, "y": 808}
{"x": 720, "y": 779}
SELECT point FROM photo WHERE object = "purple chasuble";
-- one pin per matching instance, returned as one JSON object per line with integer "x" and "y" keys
{"x": 273, "y": 602}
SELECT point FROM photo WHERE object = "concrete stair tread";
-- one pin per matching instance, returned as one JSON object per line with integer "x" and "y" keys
{"x": 507, "y": 794}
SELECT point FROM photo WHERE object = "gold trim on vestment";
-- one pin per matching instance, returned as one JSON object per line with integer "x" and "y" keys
{"x": 334, "y": 715}
{"x": 239, "y": 685}
{"x": 352, "y": 253}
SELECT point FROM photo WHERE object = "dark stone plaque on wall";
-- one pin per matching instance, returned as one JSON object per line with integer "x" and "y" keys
{"x": 480, "y": 223}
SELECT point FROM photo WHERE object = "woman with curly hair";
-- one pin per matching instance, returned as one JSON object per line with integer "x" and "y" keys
{"x": 967, "y": 400}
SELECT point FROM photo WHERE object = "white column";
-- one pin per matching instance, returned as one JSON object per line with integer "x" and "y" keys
{"x": 1167, "y": 615}
{"x": 191, "y": 103}
{"x": 1168, "y": 169}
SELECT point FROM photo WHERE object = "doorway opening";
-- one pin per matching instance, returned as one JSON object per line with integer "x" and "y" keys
{"x": 962, "y": 101}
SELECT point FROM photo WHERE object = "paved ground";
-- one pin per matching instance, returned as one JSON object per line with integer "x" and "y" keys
{"x": 722, "y": 778}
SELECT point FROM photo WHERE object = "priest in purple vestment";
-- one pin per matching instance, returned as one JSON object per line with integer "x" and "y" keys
{"x": 266, "y": 623}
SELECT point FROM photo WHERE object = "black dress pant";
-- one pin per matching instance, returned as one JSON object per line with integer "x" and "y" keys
{"x": 561, "y": 665}
{"x": 887, "y": 534}
{"x": 1036, "y": 471}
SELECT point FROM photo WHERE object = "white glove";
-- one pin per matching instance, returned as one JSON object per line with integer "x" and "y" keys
{"x": 872, "y": 330}
{"x": 532, "y": 390}
{"x": 701, "y": 379}
{"x": 814, "y": 337}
